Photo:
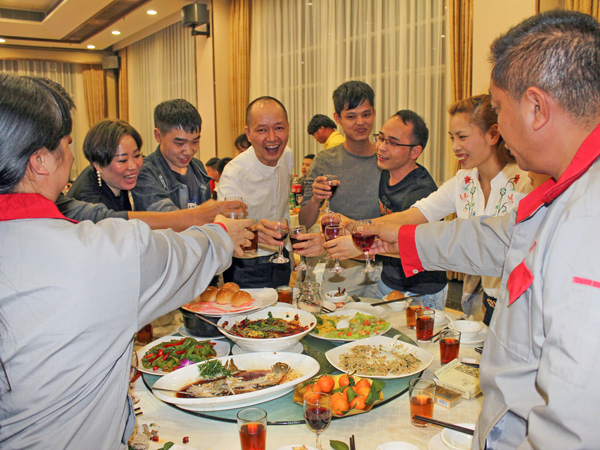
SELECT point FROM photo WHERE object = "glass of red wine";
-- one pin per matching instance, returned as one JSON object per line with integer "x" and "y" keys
{"x": 363, "y": 241}
{"x": 332, "y": 232}
{"x": 294, "y": 232}
{"x": 283, "y": 228}
{"x": 333, "y": 182}
{"x": 329, "y": 218}
{"x": 317, "y": 413}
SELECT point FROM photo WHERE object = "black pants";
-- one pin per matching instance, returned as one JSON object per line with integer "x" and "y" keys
{"x": 258, "y": 272}
{"x": 490, "y": 305}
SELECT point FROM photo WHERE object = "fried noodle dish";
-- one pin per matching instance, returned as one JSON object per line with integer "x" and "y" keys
{"x": 370, "y": 360}
{"x": 271, "y": 327}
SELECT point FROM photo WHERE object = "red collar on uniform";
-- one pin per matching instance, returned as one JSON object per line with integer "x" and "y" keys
{"x": 550, "y": 190}
{"x": 28, "y": 206}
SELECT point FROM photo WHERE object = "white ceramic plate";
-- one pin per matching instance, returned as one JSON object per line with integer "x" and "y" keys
{"x": 397, "y": 445}
{"x": 436, "y": 443}
{"x": 291, "y": 447}
{"x": 346, "y": 312}
{"x": 333, "y": 355}
{"x": 221, "y": 347}
{"x": 457, "y": 440}
{"x": 237, "y": 350}
{"x": 476, "y": 340}
{"x": 262, "y": 298}
{"x": 302, "y": 364}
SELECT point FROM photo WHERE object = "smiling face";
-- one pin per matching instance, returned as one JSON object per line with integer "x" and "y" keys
{"x": 357, "y": 123}
{"x": 400, "y": 157}
{"x": 178, "y": 147}
{"x": 267, "y": 131}
{"x": 470, "y": 145}
{"x": 122, "y": 172}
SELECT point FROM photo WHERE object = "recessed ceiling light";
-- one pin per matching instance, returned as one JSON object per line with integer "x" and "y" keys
{"x": 116, "y": 32}
{"x": 91, "y": 46}
{"x": 151, "y": 12}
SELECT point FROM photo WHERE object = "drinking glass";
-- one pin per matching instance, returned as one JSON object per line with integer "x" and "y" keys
{"x": 332, "y": 232}
{"x": 328, "y": 218}
{"x": 317, "y": 413}
{"x": 252, "y": 425}
{"x": 234, "y": 198}
{"x": 333, "y": 182}
{"x": 421, "y": 394}
{"x": 449, "y": 345}
{"x": 285, "y": 294}
{"x": 283, "y": 229}
{"x": 412, "y": 306}
{"x": 363, "y": 241}
{"x": 253, "y": 247}
{"x": 294, "y": 232}
{"x": 425, "y": 321}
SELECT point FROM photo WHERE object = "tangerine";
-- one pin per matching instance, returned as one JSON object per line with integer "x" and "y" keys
{"x": 358, "y": 403}
{"x": 363, "y": 391}
{"x": 344, "y": 380}
{"x": 363, "y": 383}
{"x": 326, "y": 383}
{"x": 340, "y": 406}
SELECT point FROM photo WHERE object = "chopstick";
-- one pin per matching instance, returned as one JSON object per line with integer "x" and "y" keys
{"x": 397, "y": 300}
{"x": 439, "y": 423}
{"x": 138, "y": 411}
{"x": 327, "y": 310}
{"x": 352, "y": 443}
{"x": 437, "y": 334}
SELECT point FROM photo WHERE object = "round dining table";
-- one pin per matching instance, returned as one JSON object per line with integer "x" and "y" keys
{"x": 387, "y": 422}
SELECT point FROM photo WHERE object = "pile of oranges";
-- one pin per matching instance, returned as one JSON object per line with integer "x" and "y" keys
{"x": 347, "y": 392}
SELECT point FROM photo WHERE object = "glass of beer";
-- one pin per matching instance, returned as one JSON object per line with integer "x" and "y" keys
{"x": 412, "y": 306}
{"x": 425, "y": 321}
{"x": 252, "y": 425}
{"x": 449, "y": 345}
{"x": 421, "y": 393}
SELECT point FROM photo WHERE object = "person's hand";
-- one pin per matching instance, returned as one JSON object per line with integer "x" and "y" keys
{"x": 321, "y": 190}
{"x": 268, "y": 234}
{"x": 311, "y": 244}
{"x": 207, "y": 211}
{"x": 342, "y": 248}
{"x": 232, "y": 206}
{"x": 236, "y": 229}
{"x": 347, "y": 223}
{"x": 388, "y": 237}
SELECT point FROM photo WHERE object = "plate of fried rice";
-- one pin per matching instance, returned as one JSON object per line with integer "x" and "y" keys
{"x": 374, "y": 358}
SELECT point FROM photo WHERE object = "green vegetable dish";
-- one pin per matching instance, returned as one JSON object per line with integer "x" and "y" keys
{"x": 358, "y": 326}
{"x": 176, "y": 353}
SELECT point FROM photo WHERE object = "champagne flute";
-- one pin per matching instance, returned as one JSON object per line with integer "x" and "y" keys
{"x": 332, "y": 232}
{"x": 317, "y": 413}
{"x": 333, "y": 182}
{"x": 283, "y": 229}
{"x": 363, "y": 241}
{"x": 329, "y": 218}
{"x": 294, "y": 232}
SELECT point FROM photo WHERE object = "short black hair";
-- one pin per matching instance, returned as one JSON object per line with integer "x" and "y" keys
{"x": 212, "y": 162}
{"x": 420, "y": 131}
{"x": 309, "y": 156}
{"x": 102, "y": 141}
{"x": 221, "y": 164}
{"x": 351, "y": 94}
{"x": 264, "y": 99}
{"x": 242, "y": 141}
{"x": 178, "y": 113}
{"x": 318, "y": 121}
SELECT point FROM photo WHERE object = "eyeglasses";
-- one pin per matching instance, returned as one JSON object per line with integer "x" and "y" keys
{"x": 390, "y": 143}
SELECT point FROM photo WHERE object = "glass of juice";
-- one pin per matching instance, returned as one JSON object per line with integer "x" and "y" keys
{"x": 285, "y": 294}
{"x": 412, "y": 306}
{"x": 449, "y": 345}
{"x": 421, "y": 393}
{"x": 252, "y": 425}
{"x": 425, "y": 322}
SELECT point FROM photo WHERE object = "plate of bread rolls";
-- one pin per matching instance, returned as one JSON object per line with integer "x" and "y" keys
{"x": 230, "y": 299}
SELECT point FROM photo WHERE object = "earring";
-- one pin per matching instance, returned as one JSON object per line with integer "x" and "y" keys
{"x": 99, "y": 178}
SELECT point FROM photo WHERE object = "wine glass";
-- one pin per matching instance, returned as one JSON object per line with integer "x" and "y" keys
{"x": 329, "y": 218}
{"x": 363, "y": 241}
{"x": 283, "y": 229}
{"x": 294, "y": 232}
{"x": 317, "y": 413}
{"x": 333, "y": 182}
{"x": 332, "y": 232}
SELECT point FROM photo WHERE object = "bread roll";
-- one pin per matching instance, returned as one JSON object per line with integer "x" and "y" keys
{"x": 240, "y": 298}
{"x": 209, "y": 295}
{"x": 224, "y": 296}
{"x": 231, "y": 286}
{"x": 395, "y": 295}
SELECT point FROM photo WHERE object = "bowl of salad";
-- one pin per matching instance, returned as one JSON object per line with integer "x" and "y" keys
{"x": 349, "y": 325}
{"x": 277, "y": 328}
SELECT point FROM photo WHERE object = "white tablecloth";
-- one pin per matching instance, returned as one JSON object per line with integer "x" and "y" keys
{"x": 386, "y": 423}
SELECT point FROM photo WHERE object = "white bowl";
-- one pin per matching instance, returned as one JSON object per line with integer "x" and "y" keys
{"x": 280, "y": 344}
{"x": 468, "y": 328}
{"x": 396, "y": 306}
{"x": 439, "y": 317}
{"x": 457, "y": 440}
{"x": 330, "y": 295}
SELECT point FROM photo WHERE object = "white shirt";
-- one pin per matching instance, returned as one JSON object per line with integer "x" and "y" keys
{"x": 463, "y": 195}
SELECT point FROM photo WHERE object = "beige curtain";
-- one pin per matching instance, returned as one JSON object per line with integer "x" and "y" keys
{"x": 239, "y": 63}
{"x": 591, "y": 7}
{"x": 123, "y": 88}
{"x": 461, "y": 39}
{"x": 94, "y": 85}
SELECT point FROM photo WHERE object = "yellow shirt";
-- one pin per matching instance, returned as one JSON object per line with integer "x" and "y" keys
{"x": 334, "y": 139}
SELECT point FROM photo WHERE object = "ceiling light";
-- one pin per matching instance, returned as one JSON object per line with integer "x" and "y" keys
{"x": 91, "y": 46}
{"x": 151, "y": 12}
{"x": 2, "y": 40}
{"x": 116, "y": 32}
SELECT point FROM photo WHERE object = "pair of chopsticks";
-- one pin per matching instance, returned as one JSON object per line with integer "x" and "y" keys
{"x": 439, "y": 423}
{"x": 138, "y": 411}
{"x": 397, "y": 300}
{"x": 352, "y": 443}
